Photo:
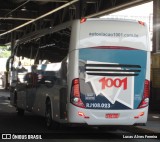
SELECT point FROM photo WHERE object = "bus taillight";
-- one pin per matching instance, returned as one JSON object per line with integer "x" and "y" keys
{"x": 145, "y": 99}
{"x": 146, "y": 89}
{"x": 83, "y": 20}
{"x": 75, "y": 94}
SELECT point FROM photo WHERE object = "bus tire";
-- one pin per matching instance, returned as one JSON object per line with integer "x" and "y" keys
{"x": 48, "y": 117}
{"x": 20, "y": 112}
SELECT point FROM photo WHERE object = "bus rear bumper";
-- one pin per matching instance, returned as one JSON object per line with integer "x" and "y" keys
{"x": 98, "y": 117}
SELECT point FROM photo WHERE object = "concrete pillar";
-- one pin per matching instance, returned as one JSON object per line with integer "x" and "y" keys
{"x": 155, "y": 70}
{"x": 7, "y": 73}
{"x": 156, "y": 26}
{"x": 12, "y": 41}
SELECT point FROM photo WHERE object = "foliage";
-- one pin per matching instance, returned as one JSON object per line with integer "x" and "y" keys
{"x": 4, "y": 52}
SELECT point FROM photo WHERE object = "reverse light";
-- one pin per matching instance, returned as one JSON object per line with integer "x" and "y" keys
{"x": 145, "y": 99}
{"x": 83, "y": 20}
{"x": 75, "y": 94}
{"x": 141, "y": 23}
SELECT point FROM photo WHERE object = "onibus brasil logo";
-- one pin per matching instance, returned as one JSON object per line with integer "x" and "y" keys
{"x": 114, "y": 88}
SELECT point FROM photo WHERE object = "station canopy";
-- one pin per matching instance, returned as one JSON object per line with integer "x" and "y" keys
{"x": 26, "y": 24}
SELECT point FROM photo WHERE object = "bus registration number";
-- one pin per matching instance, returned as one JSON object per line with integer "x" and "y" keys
{"x": 98, "y": 105}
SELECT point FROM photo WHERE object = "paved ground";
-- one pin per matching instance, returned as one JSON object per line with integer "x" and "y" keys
{"x": 153, "y": 123}
{"x": 30, "y": 123}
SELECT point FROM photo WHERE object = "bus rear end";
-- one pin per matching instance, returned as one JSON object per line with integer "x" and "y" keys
{"x": 111, "y": 76}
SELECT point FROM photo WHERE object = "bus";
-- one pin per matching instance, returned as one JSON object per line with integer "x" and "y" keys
{"x": 88, "y": 71}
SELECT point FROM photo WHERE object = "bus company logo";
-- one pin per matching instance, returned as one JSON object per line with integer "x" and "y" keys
{"x": 114, "y": 88}
{"x": 117, "y": 82}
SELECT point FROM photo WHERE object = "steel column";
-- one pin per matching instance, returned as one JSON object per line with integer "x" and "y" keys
{"x": 156, "y": 26}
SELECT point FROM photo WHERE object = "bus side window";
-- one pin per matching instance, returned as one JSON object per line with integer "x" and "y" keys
{"x": 64, "y": 70}
{"x": 41, "y": 77}
{"x": 50, "y": 78}
{"x": 31, "y": 78}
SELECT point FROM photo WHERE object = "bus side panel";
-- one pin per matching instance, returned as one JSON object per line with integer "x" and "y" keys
{"x": 73, "y": 66}
{"x": 73, "y": 56}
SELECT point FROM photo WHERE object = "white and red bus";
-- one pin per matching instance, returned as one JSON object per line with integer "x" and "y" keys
{"x": 102, "y": 80}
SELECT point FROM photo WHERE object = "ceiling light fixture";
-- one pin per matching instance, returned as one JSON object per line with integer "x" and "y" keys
{"x": 23, "y": 9}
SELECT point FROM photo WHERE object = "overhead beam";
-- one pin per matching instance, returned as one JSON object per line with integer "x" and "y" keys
{"x": 42, "y": 32}
{"x": 45, "y": 0}
{"x": 16, "y": 18}
{"x": 18, "y": 14}
{"x": 51, "y": 0}
{"x": 40, "y": 17}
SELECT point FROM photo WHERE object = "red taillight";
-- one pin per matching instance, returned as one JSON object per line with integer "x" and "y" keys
{"x": 83, "y": 20}
{"x": 145, "y": 99}
{"x": 76, "y": 88}
{"x": 141, "y": 23}
{"x": 146, "y": 89}
{"x": 75, "y": 94}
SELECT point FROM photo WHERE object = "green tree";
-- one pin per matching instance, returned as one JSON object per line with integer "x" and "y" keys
{"x": 4, "y": 52}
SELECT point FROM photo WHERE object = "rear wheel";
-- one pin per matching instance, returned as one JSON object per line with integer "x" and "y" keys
{"x": 48, "y": 117}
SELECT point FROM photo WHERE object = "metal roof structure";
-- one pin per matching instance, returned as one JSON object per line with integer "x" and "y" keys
{"x": 20, "y": 18}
